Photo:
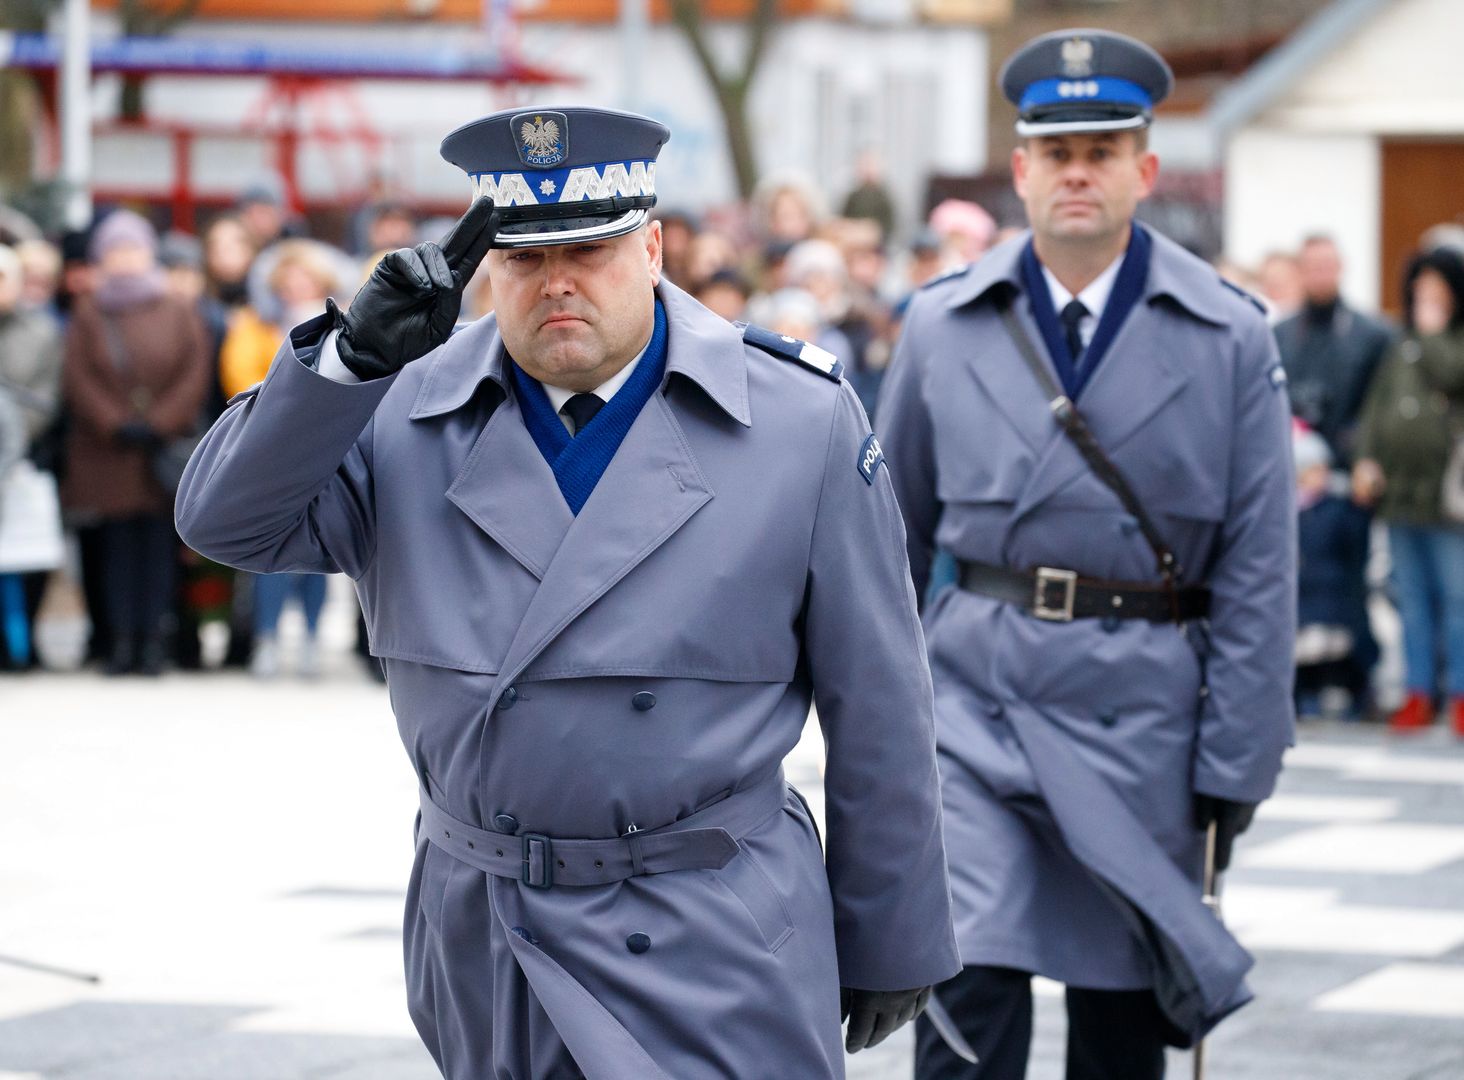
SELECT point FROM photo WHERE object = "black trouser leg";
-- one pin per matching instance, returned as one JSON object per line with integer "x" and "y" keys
{"x": 1114, "y": 1035}
{"x": 993, "y": 1008}
{"x": 138, "y": 568}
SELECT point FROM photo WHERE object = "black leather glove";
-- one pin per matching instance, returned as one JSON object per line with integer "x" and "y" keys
{"x": 138, "y": 433}
{"x": 411, "y": 300}
{"x": 1230, "y": 818}
{"x": 874, "y": 1015}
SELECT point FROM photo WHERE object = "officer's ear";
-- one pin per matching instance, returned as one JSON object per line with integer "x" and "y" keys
{"x": 1020, "y": 160}
{"x": 652, "y": 231}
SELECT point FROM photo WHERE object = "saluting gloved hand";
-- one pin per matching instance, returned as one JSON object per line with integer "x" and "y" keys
{"x": 874, "y": 1014}
{"x": 411, "y": 300}
{"x": 1230, "y": 818}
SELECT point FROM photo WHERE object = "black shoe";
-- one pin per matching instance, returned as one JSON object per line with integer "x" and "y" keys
{"x": 122, "y": 659}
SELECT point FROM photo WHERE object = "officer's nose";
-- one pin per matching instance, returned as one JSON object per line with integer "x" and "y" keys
{"x": 558, "y": 281}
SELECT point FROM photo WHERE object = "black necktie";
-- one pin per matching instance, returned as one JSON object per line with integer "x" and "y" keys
{"x": 581, "y": 409}
{"x": 1071, "y": 316}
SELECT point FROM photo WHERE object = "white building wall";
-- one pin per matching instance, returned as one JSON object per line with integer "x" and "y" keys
{"x": 1281, "y": 186}
{"x": 826, "y": 90}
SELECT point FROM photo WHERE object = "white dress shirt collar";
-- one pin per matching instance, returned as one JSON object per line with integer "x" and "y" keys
{"x": 1094, "y": 297}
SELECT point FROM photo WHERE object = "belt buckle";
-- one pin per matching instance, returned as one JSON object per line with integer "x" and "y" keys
{"x": 538, "y": 861}
{"x": 1048, "y": 576}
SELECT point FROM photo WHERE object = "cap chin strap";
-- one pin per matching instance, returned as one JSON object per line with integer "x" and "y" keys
{"x": 1031, "y": 129}
{"x": 607, "y": 231}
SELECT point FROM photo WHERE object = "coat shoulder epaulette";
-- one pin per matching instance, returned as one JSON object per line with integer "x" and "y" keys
{"x": 791, "y": 348}
{"x": 948, "y": 275}
{"x": 1250, "y": 298}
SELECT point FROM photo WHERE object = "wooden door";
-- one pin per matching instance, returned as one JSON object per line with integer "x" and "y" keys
{"x": 1423, "y": 185}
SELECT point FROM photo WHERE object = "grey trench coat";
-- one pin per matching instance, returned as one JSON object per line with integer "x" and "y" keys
{"x": 1070, "y": 751}
{"x": 620, "y": 670}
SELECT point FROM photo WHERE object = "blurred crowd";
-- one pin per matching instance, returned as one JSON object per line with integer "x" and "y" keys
{"x": 119, "y": 346}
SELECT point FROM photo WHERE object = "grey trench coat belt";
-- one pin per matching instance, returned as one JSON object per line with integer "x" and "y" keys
{"x": 703, "y": 840}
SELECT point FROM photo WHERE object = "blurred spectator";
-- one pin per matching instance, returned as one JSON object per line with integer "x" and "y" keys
{"x": 965, "y": 229}
{"x": 77, "y": 272}
{"x": 228, "y": 252}
{"x": 40, "y": 264}
{"x": 205, "y": 590}
{"x": 1332, "y": 601}
{"x": 1447, "y": 234}
{"x": 726, "y": 292}
{"x": 30, "y": 393}
{"x": 1279, "y": 282}
{"x": 1329, "y": 350}
{"x": 1412, "y": 413}
{"x": 787, "y": 208}
{"x": 261, "y": 210}
{"x": 30, "y": 352}
{"x": 819, "y": 268}
{"x": 678, "y": 232}
{"x": 391, "y": 225}
{"x": 870, "y": 199}
{"x": 134, "y": 378}
{"x": 301, "y": 275}
{"x": 926, "y": 258}
{"x": 711, "y": 252}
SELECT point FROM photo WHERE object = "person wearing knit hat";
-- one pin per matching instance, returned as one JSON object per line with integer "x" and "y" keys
{"x": 134, "y": 377}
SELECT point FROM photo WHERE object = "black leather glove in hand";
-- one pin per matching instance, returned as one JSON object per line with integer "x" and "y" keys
{"x": 138, "y": 433}
{"x": 874, "y": 1015}
{"x": 1230, "y": 818}
{"x": 411, "y": 300}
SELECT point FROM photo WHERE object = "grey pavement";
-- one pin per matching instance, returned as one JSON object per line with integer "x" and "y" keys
{"x": 229, "y": 857}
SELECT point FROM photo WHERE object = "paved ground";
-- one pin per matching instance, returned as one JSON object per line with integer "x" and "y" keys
{"x": 230, "y": 858}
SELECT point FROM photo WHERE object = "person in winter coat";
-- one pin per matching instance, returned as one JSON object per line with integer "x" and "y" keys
{"x": 1412, "y": 418}
{"x": 134, "y": 376}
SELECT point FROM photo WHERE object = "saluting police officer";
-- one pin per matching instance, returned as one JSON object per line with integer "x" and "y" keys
{"x": 1095, "y": 426}
{"x": 609, "y": 546}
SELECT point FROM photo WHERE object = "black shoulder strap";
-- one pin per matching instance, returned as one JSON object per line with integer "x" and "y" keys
{"x": 1076, "y": 428}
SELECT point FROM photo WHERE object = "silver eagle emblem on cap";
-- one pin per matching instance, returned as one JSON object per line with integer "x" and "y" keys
{"x": 1077, "y": 57}
{"x": 541, "y": 141}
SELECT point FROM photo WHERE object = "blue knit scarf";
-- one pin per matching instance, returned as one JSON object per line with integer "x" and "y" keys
{"x": 579, "y": 461}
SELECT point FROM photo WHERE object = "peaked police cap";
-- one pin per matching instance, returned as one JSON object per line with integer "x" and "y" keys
{"x": 1084, "y": 80}
{"x": 561, "y": 175}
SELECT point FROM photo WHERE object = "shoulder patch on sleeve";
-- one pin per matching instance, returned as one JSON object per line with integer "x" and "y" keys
{"x": 791, "y": 348}
{"x": 1247, "y": 296}
{"x": 871, "y": 457}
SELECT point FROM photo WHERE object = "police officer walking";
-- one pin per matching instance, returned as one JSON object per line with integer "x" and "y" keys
{"x": 1095, "y": 426}
{"x": 609, "y": 548}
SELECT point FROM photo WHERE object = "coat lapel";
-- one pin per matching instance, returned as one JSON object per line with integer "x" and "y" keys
{"x": 998, "y": 367}
{"x": 508, "y": 490}
{"x": 652, "y": 487}
{"x": 504, "y": 487}
{"x": 1136, "y": 379}
{"x": 1144, "y": 369}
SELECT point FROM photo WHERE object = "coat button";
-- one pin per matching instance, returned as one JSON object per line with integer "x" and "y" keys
{"x": 1111, "y": 623}
{"x": 506, "y": 823}
{"x": 645, "y": 701}
{"x": 521, "y": 932}
{"x": 994, "y": 708}
{"x": 638, "y": 943}
{"x": 509, "y": 697}
{"x": 1108, "y": 718}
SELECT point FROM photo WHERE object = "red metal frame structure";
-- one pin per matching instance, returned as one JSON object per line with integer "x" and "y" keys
{"x": 308, "y": 96}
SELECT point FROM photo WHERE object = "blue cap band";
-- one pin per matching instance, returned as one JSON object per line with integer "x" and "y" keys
{"x": 1100, "y": 90}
